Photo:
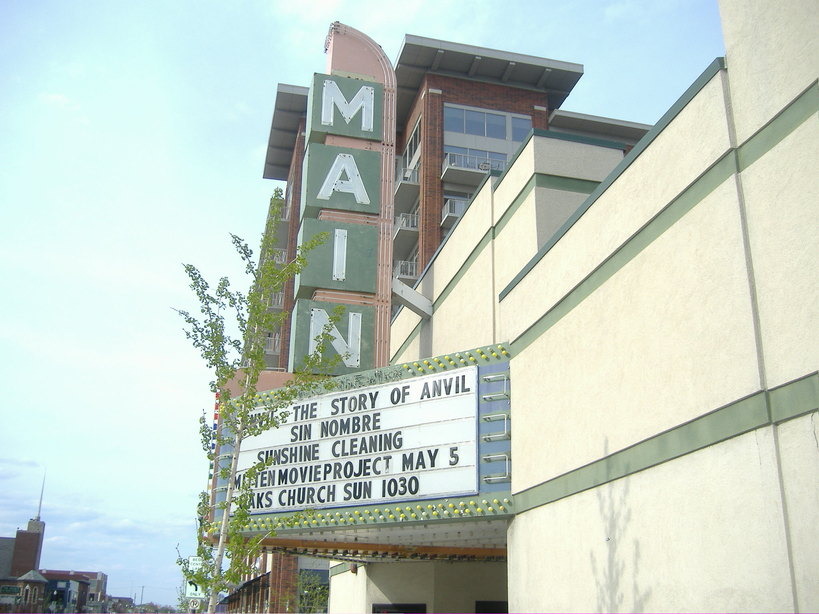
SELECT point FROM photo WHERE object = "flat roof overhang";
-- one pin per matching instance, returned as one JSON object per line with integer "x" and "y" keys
{"x": 629, "y": 132}
{"x": 290, "y": 108}
{"x": 419, "y": 55}
{"x": 480, "y": 538}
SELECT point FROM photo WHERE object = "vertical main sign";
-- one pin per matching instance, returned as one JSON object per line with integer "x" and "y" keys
{"x": 341, "y": 173}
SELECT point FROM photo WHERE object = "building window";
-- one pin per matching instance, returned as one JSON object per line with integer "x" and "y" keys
{"x": 453, "y": 119}
{"x": 486, "y": 123}
{"x": 495, "y": 126}
{"x": 520, "y": 128}
{"x": 412, "y": 152}
{"x": 479, "y": 123}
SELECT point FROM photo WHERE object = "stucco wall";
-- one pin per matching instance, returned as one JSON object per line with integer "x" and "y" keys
{"x": 665, "y": 348}
{"x": 665, "y": 339}
{"x": 781, "y": 192}
{"x": 703, "y": 533}
{"x": 444, "y": 586}
{"x": 772, "y": 53}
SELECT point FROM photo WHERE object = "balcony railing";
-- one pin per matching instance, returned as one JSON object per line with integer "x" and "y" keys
{"x": 272, "y": 344}
{"x": 406, "y": 269}
{"x": 452, "y": 210}
{"x": 279, "y": 256}
{"x": 409, "y": 175}
{"x": 408, "y": 221}
{"x": 276, "y": 300}
{"x": 473, "y": 163}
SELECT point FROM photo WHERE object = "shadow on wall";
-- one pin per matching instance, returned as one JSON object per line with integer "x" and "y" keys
{"x": 612, "y": 574}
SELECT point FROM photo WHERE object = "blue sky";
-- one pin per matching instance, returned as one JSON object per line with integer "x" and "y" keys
{"x": 132, "y": 139}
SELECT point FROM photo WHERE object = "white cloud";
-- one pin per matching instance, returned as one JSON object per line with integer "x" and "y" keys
{"x": 56, "y": 99}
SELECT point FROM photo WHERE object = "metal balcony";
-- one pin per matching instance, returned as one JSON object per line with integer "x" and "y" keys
{"x": 468, "y": 170}
{"x": 272, "y": 344}
{"x": 406, "y": 189}
{"x": 406, "y": 221}
{"x": 406, "y": 270}
{"x": 276, "y": 300}
{"x": 404, "y": 234}
{"x": 279, "y": 256}
{"x": 453, "y": 209}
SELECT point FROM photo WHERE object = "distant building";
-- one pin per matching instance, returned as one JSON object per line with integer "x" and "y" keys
{"x": 21, "y": 587}
{"x": 67, "y": 591}
{"x": 25, "y": 589}
{"x": 121, "y": 604}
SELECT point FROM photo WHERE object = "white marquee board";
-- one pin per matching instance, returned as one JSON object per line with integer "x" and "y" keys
{"x": 412, "y": 439}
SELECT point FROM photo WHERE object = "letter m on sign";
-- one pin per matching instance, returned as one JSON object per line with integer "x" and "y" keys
{"x": 364, "y": 101}
{"x": 345, "y": 106}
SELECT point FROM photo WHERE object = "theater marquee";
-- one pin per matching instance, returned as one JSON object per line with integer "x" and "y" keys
{"x": 412, "y": 439}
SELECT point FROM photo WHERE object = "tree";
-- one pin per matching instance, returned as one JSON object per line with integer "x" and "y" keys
{"x": 313, "y": 593}
{"x": 230, "y": 334}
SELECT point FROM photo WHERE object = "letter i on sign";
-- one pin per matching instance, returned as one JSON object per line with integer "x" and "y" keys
{"x": 340, "y": 255}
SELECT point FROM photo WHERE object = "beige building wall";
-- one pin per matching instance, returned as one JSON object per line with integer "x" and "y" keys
{"x": 665, "y": 342}
{"x": 702, "y": 533}
{"x": 443, "y": 586}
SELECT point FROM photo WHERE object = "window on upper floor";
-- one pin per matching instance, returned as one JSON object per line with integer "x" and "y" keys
{"x": 413, "y": 149}
{"x": 520, "y": 128}
{"x": 479, "y": 123}
{"x": 492, "y": 124}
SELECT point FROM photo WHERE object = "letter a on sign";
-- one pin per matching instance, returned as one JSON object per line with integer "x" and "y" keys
{"x": 344, "y": 165}
{"x": 350, "y": 350}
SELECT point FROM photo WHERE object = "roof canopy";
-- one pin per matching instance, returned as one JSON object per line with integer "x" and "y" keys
{"x": 418, "y": 56}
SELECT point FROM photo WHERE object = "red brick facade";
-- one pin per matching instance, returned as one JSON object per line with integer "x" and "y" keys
{"x": 275, "y": 589}
{"x": 294, "y": 184}
{"x": 429, "y": 106}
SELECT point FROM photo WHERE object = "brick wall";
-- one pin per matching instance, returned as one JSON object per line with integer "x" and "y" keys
{"x": 26, "y": 556}
{"x": 294, "y": 181}
{"x": 429, "y": 106}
